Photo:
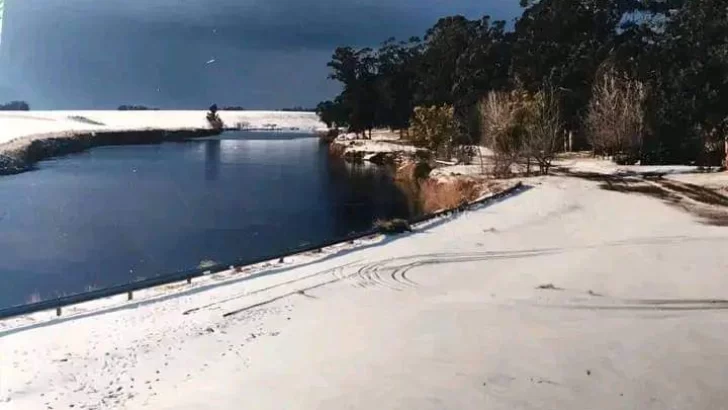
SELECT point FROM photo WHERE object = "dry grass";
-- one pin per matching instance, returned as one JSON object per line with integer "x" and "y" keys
{"x": 436, "y": 195}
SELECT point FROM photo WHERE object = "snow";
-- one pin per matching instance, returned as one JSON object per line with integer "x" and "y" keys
{"x": 382, "y": 141}
{"x": 712, "y": 180}
{"x": 607, "y": 167}
{"x": 32, "y": 123}
{"x": 458, "y": 170}
{"x": 575, "y": 163}
{"x": 374, "y": 147}
{"x": 458, "y": 314}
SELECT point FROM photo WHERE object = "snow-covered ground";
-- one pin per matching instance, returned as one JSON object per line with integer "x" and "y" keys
{"x": 717, "y": 181}
{"x": 22, "y": 124}
{"x": 604, "y": 166}
{"x": 382, "y": 141}
{"x": 581, "y": 163}
{"x": 565, "y": 296}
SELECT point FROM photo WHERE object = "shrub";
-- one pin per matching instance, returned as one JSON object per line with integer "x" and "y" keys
{"x": 502, "y": 128}
{"x": 615, "y": 119}
{"x": 543, "y": 128}
{"x": 434, "y": 128}
{"x": 393, "y": 226}
{"x": 518, "y": 125}
{"x": 214, "y": 120}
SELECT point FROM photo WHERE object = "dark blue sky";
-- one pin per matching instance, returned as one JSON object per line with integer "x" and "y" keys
{"x": 99, "y": 54}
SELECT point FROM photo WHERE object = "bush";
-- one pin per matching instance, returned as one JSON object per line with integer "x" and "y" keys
{"x": 544, "y": 130}
{"x": 502, "y": 128}
{"x": 434, "y": 128}
{"x": 518, "y": 125}
{"x": 393, "y": 226}
{"x": 214, "y": 120}
{"x": 615, "y": 120}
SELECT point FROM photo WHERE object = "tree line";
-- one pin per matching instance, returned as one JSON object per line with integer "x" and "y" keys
{"x": 15, "y": 106}
{"x": 646, "y": 79}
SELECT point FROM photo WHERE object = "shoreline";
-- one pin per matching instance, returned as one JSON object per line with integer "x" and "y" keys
{"x": 21, "y": 155}
{"x": 28, "y": 137}
{"x": 258, "y": 267}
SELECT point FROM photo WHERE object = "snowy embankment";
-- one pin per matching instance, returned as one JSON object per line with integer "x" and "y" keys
{"x": 565, "y": 296}
{"x": 80, "y": 129}
{"x": 384, "y": 147}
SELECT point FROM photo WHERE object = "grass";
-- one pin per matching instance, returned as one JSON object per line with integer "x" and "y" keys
{"x": 438, "y": 195}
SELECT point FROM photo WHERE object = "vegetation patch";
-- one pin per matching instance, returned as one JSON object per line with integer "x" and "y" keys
{"x": 393, "y": 226}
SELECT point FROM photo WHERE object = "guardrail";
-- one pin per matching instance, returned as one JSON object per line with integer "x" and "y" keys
{"x": 129, "y": 289}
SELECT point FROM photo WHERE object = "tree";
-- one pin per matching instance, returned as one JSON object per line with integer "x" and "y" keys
{"x": 134, "y": 108}
{"x": 544, "y": 128}
{"x": 332, "y": 113}
{"x": 396, "y": 82}
{"x": 15, "y": 106}
{"x": 445, "y": 42}
{"x": 615, "y": 119}
{"x": 503, "y": 119}
{"x": 434, "y": 128}
{"x": 674, "y": 51}
{"x": 562, "y": 43}
{"x": 355, "y": 69}
{"x": 481, "y": 68}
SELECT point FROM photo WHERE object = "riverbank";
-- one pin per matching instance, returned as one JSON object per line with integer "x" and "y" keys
{"x": 433, "y": 311}
{"x": 28, "y": 137}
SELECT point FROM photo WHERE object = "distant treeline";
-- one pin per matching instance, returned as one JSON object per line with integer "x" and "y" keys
{"x": 15, "y": 106}
{"x": 136, "y": 108}
{"x": 602, "y": 61}
{"x": 299, "y": 109}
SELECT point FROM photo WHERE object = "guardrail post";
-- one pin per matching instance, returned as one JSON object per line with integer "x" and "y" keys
{"x": 130, "y": 295}
{"x": 58, "y": 311}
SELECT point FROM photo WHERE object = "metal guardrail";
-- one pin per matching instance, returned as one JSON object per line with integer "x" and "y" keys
{"x": 59, "y": 303}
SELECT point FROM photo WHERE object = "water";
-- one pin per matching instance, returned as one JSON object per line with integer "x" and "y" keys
{"x": 116, "y": 214}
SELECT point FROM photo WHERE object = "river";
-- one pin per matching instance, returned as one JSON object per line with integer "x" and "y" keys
{"x": 117, "y": 214}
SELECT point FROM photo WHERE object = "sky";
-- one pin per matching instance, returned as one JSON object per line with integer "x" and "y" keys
{"x": 187, "y": 54}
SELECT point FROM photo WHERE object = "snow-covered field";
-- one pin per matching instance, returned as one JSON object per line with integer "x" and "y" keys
{"x": 565, "y": 296}
{"x": 22, "y": 124}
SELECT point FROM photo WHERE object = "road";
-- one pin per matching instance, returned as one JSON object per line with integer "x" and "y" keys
{"x": 565, "y": 296}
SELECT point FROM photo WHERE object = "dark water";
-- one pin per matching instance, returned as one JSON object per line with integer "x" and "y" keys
{"x": 116, "y": 214}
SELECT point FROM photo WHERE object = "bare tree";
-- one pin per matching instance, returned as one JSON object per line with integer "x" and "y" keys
{"x": 543, "y": 129}
{"x": 615, "y": 120}
{"x": 501, "y": 129}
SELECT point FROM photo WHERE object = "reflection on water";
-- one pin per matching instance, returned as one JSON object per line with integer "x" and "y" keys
{"x": 116, "y": 214}
{"x": 212, "y": 159}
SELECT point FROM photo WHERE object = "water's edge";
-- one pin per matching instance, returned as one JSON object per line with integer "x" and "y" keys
{"x": 30, "y": 150}
{"x": 59, "y": 303}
